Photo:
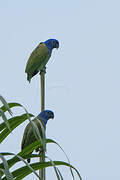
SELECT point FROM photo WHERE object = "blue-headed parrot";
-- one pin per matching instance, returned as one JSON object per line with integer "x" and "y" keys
{"x": 29, "y": 136}
{"x": 39, "y": 57}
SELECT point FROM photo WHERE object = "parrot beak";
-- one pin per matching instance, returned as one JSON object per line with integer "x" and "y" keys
{"x": 52, "y": 116}
{"x": 57, "y": 46}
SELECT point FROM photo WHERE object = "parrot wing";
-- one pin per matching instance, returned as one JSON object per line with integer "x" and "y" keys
{"x": 26, "y": 139}
{"x": 37, "y": 60}
{"x": 28, "y": 136}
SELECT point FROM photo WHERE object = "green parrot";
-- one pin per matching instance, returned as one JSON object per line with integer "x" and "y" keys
{"x": 39, "y": 57}
{"x": 29, "y": 136}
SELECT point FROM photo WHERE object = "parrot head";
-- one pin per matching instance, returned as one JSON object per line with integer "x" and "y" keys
{"x": 55, "y": 43}
{"x": 45, "y": 116}
{"x": 52, "y": 43}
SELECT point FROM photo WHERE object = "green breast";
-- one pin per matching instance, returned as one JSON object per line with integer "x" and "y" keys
{"x": 38, "y": 59}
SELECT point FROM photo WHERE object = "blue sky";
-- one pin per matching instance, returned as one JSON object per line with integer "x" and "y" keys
{"x": 82, "y": 79}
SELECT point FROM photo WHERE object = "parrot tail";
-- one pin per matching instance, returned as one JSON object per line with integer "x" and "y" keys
{"x": 29, "y": 77}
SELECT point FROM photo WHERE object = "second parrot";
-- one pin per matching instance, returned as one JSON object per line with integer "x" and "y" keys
{"x": 29, "y": 136}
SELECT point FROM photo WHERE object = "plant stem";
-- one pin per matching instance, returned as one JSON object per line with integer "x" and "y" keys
{"x": 42, "y": 82}
{"x": 42, "y": 79}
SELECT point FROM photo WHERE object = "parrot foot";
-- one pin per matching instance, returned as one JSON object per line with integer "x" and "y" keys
{"x": 40, "y": 150}
{"x": 43, "y": 70}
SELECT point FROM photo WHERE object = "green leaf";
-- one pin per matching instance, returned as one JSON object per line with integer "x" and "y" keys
{"x": 26, "y": 151}
{"x": 11, "y": 105}
{"x": 28, "y": 166}
{"x": 5, "y": 120}
{"x": 43, "y": 134}
{"x": 7, "y": 173}
{"x": 24, "y": 171}
{"x": 6, "y": 105}
{"x": 56, "y": 170}
{"x": 14, "y": 122}
{"x": 52, "y": 141}
{"x": 1, "y": 172}
{"x": 23, "y": 153}
{"x": 20, "y": 158}
{"x": 60, "y": 174}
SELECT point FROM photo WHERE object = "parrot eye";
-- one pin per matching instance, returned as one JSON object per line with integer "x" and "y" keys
{"x": 53, "y": 42}
{"x": 47, "y": 113}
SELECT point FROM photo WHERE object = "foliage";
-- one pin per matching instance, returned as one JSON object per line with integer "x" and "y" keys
{"x": 6, "y": 127}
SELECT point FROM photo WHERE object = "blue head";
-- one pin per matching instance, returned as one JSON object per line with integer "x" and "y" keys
{"x": 45, "y": 116}
{"x": 51, "y": 44}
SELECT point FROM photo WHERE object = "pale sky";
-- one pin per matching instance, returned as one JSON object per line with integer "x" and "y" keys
{"x": 82, "y": 79}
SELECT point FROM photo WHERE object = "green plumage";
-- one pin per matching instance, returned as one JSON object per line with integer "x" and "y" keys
{"x": 28, "y": 136}
{"x": 37, "y": 60}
